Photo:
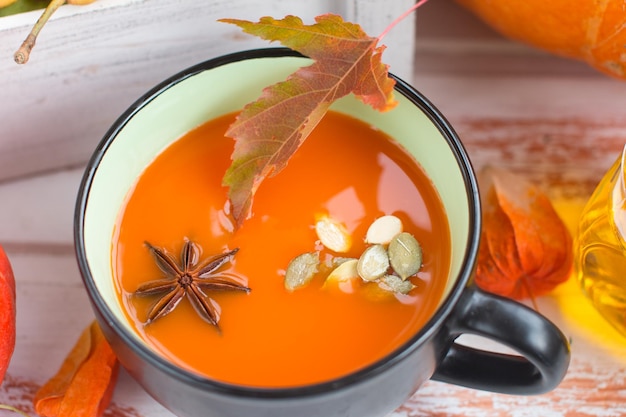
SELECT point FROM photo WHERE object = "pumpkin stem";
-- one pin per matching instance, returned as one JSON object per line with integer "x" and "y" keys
{"x": 22, "y": 54}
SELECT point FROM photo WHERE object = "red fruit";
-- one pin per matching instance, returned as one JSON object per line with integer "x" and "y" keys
{"x": 7, "y": 313}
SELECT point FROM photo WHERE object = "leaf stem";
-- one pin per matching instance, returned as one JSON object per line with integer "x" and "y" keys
{"x": 400, "y": 18}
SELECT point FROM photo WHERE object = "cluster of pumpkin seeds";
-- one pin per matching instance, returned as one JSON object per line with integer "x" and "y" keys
{"x": 390, "y": 259}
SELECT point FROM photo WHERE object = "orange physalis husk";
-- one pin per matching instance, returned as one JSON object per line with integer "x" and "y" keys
{"x": 525, "y": 248}
{"x": 84, "y": 384}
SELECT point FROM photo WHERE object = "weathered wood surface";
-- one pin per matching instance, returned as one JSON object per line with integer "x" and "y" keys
{"x": 91, "y": 62}
{"x": 556, "y": 121}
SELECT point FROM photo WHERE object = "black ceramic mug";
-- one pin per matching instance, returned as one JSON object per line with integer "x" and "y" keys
{"x": 223, "y": 85}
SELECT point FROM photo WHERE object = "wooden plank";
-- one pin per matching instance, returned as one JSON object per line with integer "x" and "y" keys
{"x": 562, "y": 131}
{"x": 91, "y": 62}
{"x": 39, "y": 212}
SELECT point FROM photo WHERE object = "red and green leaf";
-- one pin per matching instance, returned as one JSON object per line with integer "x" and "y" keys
{"x": 269, "y": 131}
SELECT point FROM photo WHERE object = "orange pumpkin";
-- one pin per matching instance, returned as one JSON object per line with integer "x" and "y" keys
{"x": 590, "y": 30}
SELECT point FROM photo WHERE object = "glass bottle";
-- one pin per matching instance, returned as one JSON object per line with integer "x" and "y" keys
{"x": 600, "y": 249}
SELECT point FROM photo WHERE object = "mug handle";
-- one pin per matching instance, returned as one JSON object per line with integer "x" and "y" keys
{"x": 544, "y": 350}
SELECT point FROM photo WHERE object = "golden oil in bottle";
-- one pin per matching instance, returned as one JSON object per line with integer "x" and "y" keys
{"x": 600, "y": 248}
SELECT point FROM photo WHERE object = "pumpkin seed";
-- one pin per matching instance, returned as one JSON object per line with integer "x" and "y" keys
{"x": 347, "y": 270}
{"x": 338, "y": 260}
{"x": 383, "y": 229}
{"x": 405, "y": 255}
{"x": 396, "y": 284}
{"x": 373, "y": 263}
{"x": 301, "y": 270}
{"x": 333, "y": 234}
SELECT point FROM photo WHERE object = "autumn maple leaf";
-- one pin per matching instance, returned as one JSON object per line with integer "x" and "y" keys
{"x": 268, "y": 131}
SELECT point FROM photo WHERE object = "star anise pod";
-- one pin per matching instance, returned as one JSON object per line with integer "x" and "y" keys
{"x": 191, "y": 278}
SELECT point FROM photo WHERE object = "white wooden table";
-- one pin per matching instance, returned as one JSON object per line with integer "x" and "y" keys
{"x": 556, "y": 121}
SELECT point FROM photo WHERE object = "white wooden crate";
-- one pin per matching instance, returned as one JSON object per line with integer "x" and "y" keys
{"x": 91, "y": 62}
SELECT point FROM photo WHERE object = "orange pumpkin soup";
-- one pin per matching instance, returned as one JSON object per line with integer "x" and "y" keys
{"x": 272, "y": 337}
